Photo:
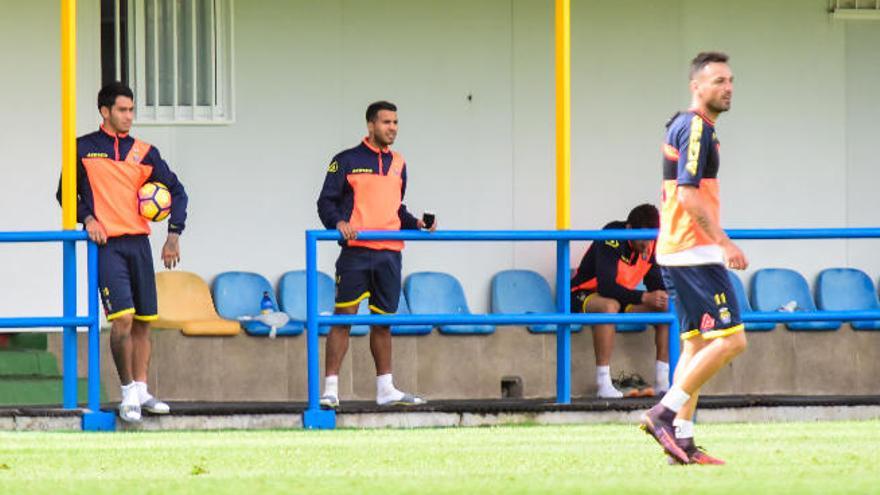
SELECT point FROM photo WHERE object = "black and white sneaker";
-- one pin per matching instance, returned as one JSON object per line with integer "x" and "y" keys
{"x": 329, "y": 401}
{"x": 130, "y": 412}
{"x": 406, "y": 400}
{"x": 155, "y": 406}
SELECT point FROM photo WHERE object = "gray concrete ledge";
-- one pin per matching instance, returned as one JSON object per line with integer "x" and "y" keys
{"x": 469, "y": 367}
{"x": 224, "y": 422}
{"x": 437, "y": 419}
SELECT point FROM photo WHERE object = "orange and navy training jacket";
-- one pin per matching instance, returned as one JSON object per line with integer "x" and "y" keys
{"x": 365, "y": 186}
{"x": 614, "y": 270}
{"x": 110, "y": 169}
{"x": 690, "y": 158}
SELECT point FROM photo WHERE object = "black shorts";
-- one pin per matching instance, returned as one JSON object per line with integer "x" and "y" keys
{"x": 363, "y": 273}
{"x": 580, "y": 298}
{"x": 705, "y": 301}
{"x": 126, "y": 278}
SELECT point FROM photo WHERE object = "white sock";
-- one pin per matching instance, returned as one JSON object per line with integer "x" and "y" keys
{"x": 331, "y": 385}
{"x": 385, "y": 390}
{"x": 143, "y": 394}
{"x": 606, "y": 389}
{"x": 683, "y": 428}
{"x": 675, "y": 399}
{"x": 661, "y": 375}
{"x": 129, "y": 394}
{"x": 603, "y": 376}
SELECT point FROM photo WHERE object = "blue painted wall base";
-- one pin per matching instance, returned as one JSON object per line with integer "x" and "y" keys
{"x": 319, "y": 419}
{"x": 99, "y": 421}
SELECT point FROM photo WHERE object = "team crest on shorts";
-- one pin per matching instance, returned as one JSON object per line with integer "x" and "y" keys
{"x": 724, "y": 315}
{"x": 707, "y": 322}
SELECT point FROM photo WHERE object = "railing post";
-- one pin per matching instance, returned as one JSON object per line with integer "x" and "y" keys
{"x": 674, "y": 340}
{"x": 69, "y": 354}
{"x": 94, "y": 330}
{"x": 95, "y": 419}
{"x": 314, "y": 416}
{"x": 563, "y": 333}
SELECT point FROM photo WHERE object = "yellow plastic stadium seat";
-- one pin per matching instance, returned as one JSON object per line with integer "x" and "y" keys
{"x": 185, "y": 303}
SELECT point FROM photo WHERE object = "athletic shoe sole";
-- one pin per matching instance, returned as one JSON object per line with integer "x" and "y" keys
{"x": 666, "y": 442}
{"x": 707, "y": 460}
{"x": 704, "y": 459}
{"x": 130, "y": 413}
{"x": 328, "y": 403}
{"x": 407, "y": 400}
{"x": 160, "y": 409}
{"x": 647, "y": 392}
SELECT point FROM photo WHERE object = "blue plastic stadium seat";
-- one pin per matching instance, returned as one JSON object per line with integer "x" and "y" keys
{"x": 746, "y": 307}
{"x": 292, "y": 295}
{"x": 772, "y": 288}
{"x": 239, "y": 294}
{"x": 440, "y": 293}
{"x": 847, "y": 289}
{"x": 524, "y": 292}
{"x": 403, "y": 309}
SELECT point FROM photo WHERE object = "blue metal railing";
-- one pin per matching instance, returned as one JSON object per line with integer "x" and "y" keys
{"x": 70, "y": 321}
{"x": 314, "y": 417}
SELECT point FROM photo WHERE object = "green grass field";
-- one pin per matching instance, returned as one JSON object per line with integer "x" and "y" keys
{"x": 767, "y": 458}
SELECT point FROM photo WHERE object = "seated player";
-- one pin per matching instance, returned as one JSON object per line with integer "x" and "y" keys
{"x": 606, "y": 282}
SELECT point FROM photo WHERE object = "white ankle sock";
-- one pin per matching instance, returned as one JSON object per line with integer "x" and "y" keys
{"x": 331, "y": 385}
{"x": 143, "y": 394}
{"x": 661, "y": 375}
{"x": 675, "y": 399}
{"x": 606, "y": 389}
{"x": 603, "y": 376}
{"x": 683, "y": 428}
{"x": 130, "y": 393}
{"x": 385, "y": 390}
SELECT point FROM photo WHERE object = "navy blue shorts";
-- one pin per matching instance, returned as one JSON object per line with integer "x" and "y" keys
{"x": 704, "y": 300}
{"x": 126, "y": 278}
{"x": 363, "y": 273}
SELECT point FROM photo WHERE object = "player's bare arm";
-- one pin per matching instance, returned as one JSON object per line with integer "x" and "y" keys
{"x": 693, "y": 204}
{"x": 171, "y": 250}
{"x": 96, "y": 231}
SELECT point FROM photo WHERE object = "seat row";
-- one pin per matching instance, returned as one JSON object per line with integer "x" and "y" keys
{"x": 782, "y": 289}
{"x": 186, "y": 302}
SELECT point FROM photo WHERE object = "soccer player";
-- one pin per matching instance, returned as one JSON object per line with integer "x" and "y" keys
{"x": 693, "y": 250}
{"x": 111, "y": 167}
{"x": 363, "y": 190}
{"x": 605, "y": 282}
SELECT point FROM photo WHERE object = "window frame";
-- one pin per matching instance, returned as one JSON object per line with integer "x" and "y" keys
{"x": 222, "y": 111}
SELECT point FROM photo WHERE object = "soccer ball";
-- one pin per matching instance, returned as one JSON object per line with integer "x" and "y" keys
{"x": 154, "y": 201}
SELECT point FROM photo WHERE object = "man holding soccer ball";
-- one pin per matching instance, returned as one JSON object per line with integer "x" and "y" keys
{"x": 112, "y": 167}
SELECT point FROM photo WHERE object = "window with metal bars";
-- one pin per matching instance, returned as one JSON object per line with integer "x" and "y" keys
{"x": 836, "y": 5}
{"x": 175, "y": 54}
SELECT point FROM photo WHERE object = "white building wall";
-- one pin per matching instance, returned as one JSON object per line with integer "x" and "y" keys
{"x": 797, "y": 148}
{"x": 862, "y": 201}
{"x": 30, "y": 127}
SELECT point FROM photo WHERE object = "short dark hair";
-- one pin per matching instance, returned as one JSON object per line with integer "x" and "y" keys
{"x": 375, "y": 107}
{"x": 705, "y": 58}
{"x": 108, "y": 94}
{"x": 644, "y": 216}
